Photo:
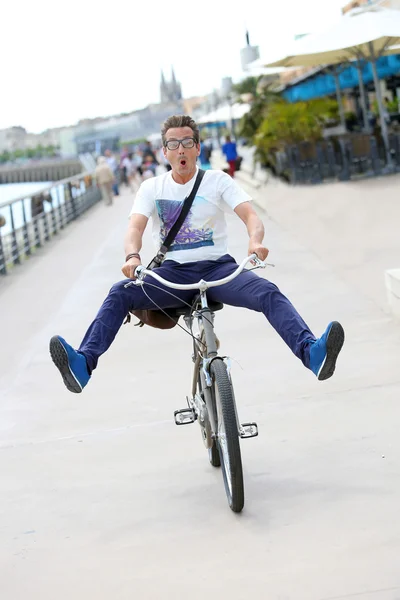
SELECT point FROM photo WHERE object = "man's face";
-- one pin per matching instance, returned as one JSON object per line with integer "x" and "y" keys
{"x": 182, "y": 160}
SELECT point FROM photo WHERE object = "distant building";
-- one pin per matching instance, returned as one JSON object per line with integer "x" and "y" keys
{"x": 194, "y": 106}
{"x": 12, "y": 138}
{"x": 17, "y": 138}
{"x": 170, "y": 91}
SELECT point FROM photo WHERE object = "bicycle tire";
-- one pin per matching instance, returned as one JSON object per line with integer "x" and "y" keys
{"x": 228, "y": 436}
{"x": 213, "y": 452}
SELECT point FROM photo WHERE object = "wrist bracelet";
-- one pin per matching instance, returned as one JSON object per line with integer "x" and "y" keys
{"x": 131, "y": 255}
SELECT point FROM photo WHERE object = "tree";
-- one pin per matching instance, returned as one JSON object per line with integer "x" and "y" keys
{"x": 257, "y": 92}
{"x": 288, "y": 123}
{"x": 18, "y": 153}
{"x": 5, "y": 156}
{"x": 50, "y": 150}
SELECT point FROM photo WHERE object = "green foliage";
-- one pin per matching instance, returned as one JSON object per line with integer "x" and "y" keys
{"x": 134, "y": 142}
{"x": 261, "y": 98}
{"x": 287, "y": 123}
{"x": 38, "y": 152}
{"x": 247, "y": 86}
{"x": 391, "y": 107}
{"x": 291, "y": 123}
{"x": 5, "y": 157}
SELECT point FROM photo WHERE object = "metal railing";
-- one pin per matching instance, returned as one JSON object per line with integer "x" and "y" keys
{"x": 28, "y": 222}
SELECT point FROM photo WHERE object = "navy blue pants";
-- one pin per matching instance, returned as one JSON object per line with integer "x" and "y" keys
{"x": 248, "y": 290}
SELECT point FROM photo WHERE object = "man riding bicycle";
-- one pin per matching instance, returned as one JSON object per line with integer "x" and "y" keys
{"x": 199, "y": 251}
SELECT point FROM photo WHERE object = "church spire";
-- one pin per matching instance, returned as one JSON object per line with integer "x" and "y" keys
{"x": 175, "y": 86}
{"x": 173, "y": 78}
{"x": 163, "y": 88}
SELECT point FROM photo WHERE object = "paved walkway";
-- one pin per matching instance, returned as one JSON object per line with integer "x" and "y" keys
{"x": 102, "y": 496}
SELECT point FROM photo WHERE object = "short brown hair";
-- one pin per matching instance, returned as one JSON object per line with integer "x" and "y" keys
{"x": 180, "y": 121}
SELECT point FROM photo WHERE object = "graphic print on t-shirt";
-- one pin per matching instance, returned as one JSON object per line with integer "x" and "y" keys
{"x": 195, "y": 231}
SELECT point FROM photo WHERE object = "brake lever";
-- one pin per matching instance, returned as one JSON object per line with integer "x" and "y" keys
{"x": 138, "y": 277}
{"x": 261, "y": 263}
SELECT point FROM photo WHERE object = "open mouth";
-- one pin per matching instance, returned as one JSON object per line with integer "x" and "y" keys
{"x": 182, "y": 162}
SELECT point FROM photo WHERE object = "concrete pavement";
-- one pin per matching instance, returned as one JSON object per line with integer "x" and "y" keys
{"x": 102, "y": 496}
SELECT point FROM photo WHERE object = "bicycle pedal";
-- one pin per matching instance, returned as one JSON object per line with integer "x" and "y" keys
{"x": 184, "y": 416}
{"x": 248, "y": 430}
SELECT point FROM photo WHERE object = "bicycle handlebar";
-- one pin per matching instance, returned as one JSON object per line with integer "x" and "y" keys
{"x": 141, "y": 272}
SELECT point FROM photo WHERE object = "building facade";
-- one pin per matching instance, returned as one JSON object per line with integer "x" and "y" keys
{"x": 170, "y": 91}
{"x": 12, "y": 138}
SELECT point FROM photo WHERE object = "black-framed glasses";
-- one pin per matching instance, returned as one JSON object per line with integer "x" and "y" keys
{"x": 186, "y": 143}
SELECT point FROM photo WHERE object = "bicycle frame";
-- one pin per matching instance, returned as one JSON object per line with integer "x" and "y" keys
{"x": 208, "y": 341}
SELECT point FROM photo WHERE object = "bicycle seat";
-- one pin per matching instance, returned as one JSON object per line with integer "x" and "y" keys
{"x": 181, "y": 311}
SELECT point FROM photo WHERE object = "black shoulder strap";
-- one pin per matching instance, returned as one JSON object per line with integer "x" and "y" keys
{"x": 187, "y": 203}
{"x": 183, "y": 214}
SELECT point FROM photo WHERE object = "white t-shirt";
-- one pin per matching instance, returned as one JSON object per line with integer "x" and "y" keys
{"x": 203, "y": 235}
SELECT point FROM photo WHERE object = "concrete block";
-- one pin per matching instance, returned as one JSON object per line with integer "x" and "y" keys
{"x": 392, "y": 281}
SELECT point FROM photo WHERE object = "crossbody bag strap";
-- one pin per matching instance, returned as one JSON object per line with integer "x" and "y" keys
{"x": 157, "y": 260}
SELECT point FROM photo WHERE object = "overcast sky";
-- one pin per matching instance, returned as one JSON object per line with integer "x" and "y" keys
{"x": 63, "y": 61}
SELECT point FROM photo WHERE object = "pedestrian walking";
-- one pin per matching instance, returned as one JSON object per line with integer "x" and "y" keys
{"x": 104, "y": 179}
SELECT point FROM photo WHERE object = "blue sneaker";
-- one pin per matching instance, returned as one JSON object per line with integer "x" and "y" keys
{"x": 71, "y": 364}
{"x": 325, "y": 350}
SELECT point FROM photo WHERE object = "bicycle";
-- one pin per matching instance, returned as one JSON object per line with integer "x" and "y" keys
{"x": 212, "y": 401}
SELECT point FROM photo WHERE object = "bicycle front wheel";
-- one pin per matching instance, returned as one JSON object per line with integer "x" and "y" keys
{"x": 228, "y": 435}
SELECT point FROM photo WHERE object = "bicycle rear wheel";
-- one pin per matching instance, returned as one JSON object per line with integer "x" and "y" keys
{"x": 228, "y": 436}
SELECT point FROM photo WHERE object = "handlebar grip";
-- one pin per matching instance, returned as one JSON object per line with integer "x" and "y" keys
{"x": 138, "y": 270}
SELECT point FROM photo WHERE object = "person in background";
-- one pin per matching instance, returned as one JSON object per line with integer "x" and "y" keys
{"x": 230, "y": 151}
{"x": 205, "y": 156}
{"x": 163, "y": 159}
{"x": 37, "y": 203}
{"x": 113, "y": 164}
{"x": 128, "y": 168}
{"x": 122, "y": 168}
{"x": 148, "y": 167}
{"x": 104, "y": 179}
{"x": 148, "y": 151}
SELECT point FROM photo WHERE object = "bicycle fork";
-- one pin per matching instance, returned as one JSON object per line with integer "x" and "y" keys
{"x": 204, "y": 409}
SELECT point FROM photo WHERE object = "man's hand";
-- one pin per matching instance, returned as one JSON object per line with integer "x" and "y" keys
{"x": 259, "y": 249}
{"x": 129, "y": 267}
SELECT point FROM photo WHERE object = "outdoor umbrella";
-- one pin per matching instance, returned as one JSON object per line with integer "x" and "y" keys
{"x": 224, "y": 114}
{"x": 359, "y": 35}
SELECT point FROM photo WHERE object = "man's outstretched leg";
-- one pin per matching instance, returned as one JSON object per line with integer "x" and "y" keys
{"x": 76, "y": 366}
{"x": 253, "y": 292}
